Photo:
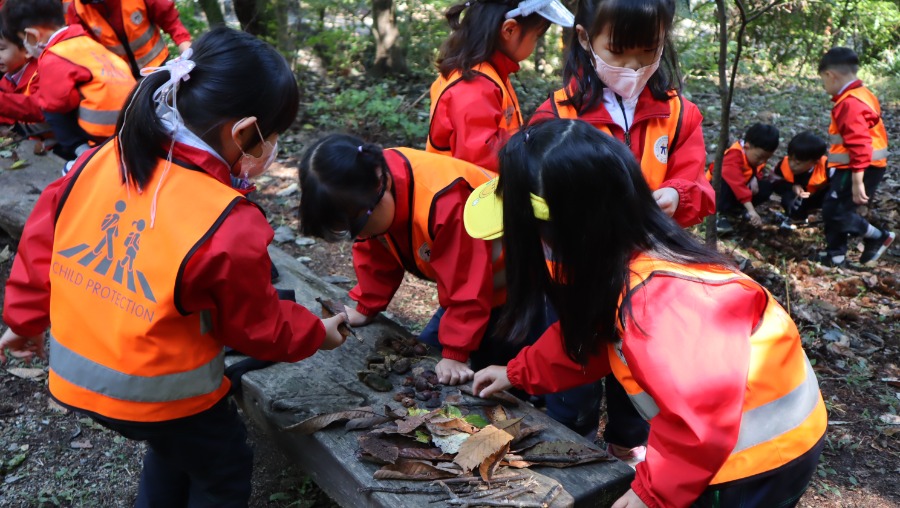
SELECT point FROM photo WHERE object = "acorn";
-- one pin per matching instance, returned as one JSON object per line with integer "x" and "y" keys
{"x": 401, "y": 366}
{"x": 420, "y": 349}
{"x": 376, "y": 382}
{"x": 407, "y": 402}
{"x": 398, "y": 397}
{"x": 421, "y": 385}
{"x": 408, "y": 392}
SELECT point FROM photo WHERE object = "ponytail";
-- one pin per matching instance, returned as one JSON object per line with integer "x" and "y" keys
{"x": 339, "y": 179}
{"x": 141, "y": 134}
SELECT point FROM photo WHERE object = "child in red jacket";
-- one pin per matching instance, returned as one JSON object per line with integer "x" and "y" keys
{"x": 858, "y": 157}
{"x": 80, "y": 85}
{"x": 802, "y": 178}
{"x": 706, "y": 354}
{"x": 17, "y": 106}
{"x": 111, "y": 22}
{"x": 743, "y": 183}
{"x": 626, "y": 83}
{"x": 474, "y": 108}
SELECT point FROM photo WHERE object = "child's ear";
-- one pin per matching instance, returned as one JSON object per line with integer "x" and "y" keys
{"x": 509, "y": 30}
{"x": 583, "y": 38}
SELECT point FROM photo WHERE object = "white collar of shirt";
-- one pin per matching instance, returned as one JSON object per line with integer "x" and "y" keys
{"x": 182, "y": 134}
{"x": 844, "y": 88}
{"x": 61, "y": 30}
{"x": 623, "y": 119}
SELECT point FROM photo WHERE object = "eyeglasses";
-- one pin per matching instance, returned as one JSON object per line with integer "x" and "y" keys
{"x": 359, "y": 223}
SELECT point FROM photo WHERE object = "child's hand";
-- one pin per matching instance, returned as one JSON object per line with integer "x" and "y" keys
{"x": 490, "y": 380}
{"x": 452, "y": 372}
{"x": 755, "y": 219}
{"x": 183, "y": 47}
{"x": 667, "y": 199}
{"x": 21, "y": 347}
{"x": 333, "y": 337}
{"x": 629, "y": 500}
{"x": 754, "y": 186}
{"x": 859, "y": 189}
{"x": 800, "y": 192}
{"x": 356, "y": 318}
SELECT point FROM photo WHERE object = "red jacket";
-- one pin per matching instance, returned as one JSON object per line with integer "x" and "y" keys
{"x": 162, "y": 13}
{"x": 737, "y": 173}
{"x": 689, "y": 351}
{"x": 467, "y": 118}
{"x": 687, "y": 160}
{"x": 15, "y": 105}
{"x": 463, "y": 266}
{"x": 228, "y": 276}
{"x": 56, "y": 87}
{"x": 853, "y": 119}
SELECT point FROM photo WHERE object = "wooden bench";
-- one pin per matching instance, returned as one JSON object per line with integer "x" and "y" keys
{"x": 283, "y": 394}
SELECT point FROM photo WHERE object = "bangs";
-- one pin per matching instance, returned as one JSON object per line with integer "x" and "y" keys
{"x": 634, "y": 23}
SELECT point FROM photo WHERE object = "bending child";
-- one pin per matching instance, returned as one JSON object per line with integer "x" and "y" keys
{"x": 744, "y": 185}
{"x": 705, "y": 353}
{"x": 802, "y": 178}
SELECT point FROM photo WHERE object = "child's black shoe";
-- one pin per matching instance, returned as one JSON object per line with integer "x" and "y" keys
{"x": 873, "y": 248}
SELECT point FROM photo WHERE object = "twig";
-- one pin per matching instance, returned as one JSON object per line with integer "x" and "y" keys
{"x": 453, "y": 496}
{"x": 495, "y": 492}
{"x": 551, "y": 496}
{"x": 787, "y": 288}
{"x": 397, "y": 490}
{"x": 565, "y": 459}
{"x": 490, "y": 502}
{"x": 415, "y": 102}
{"x": 467, "y": 479}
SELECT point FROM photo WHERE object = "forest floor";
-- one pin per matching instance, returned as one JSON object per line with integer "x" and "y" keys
{"x": 848, "y": 318}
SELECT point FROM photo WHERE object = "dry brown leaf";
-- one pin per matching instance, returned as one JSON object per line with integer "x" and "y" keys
{"x": 489, "y": 465}
{"x": 379, "y": 449}
{"x": 319, "y": 422}
{"x": 424, "y": 454}
{"x": 496, "y": 414}
{"x": 513, "y": 426}
{"x": 481, "y": 446}
{"x": 26, "y": 373}
{"x": 366, "y": 422}
{"x": 411, "y": 470}
{"x": 526, "y": 432}
{"x": 518, "y": 464}
{"x": 563, "y": 454}
{"x": 446, "y": 427}
{"x": 411, "y": 423}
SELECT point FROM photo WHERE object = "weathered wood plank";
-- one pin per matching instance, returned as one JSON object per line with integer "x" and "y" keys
{"x": 287, "y": 393}
{"x": 20, "y": 188}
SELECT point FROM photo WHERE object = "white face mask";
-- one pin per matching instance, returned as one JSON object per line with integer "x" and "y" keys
{"x": 36, "y": 49}
{"x": 254, "y": 166}
{"x": 626, "y": 83}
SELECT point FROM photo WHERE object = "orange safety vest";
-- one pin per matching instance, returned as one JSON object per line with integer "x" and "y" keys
{"x": 512, "y": 115}
{"x": 122, "y": 345}
{"x": 105, "y": 94}
{"x": 784, "y": 414}
{"x": 429, "y": 176}
{"x": 748, "y": 171}
{"x": 659, "y": 139}
{"x": 145, "y": 47}
{"x": 816, "y": 181}
{"x": 838, "y": 156}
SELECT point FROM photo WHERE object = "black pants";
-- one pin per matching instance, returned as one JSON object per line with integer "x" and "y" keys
{"x": 727, "y": 203}
{"x": 779, "y": 488}
{"x": 624, "y": 425}
{"x": 795, "y": 207}
{"x": 69, "y": 135}
{"x": 839, "y": 210}
{"x": 199, "y": 461}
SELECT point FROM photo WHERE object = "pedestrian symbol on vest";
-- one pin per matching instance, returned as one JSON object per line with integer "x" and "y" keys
{"x": 124, "y": 272}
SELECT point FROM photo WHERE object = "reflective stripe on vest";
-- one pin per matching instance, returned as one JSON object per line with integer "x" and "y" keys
{"x": 776, "y": 425}
{"x": 123, "y": 344}
{"x": 660, "y": 136}
{"x": 104, "y": 380}
{"x": 144, "y": 40}
{"x": 511, "y": 121}
{"x": 429, "y": 176}
{"x": 818, "y": 178}
{"x": 104, "y": 95}
{"x": 838, "y": 155}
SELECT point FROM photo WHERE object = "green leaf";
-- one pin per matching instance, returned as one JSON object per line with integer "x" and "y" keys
{"x": 280, "y": 496}
{"x": 19, "y": 164}
{"x": 477, "y": 420}
{"x": 422, "y": 437}
{"x": 453, "y": 412}
{"x": 414, "y": 411}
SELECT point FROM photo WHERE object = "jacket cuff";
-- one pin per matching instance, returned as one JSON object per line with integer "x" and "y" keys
{"x": 366, "y": 311}
{"x": 642, "y": 493}
{"x": 514, "y": 372}
{"x": 451, "y": 353}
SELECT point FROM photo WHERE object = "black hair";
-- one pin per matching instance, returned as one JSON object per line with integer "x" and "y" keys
{"x": 338, "y": 181}
{"x": 602, "y": 213}
{"x": 236, "y": 76}
{"x": 807, "y": 146}
{"x": 763, "y": 136}
{"x": 11, "y": 36}
{"x": 474, "y": 38}
{"x": 630, "y": 25}
{"x": 21, "y": 14}
{"x": 842, "y": 60}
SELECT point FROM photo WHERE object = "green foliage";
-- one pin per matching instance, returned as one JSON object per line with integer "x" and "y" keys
{"x": 375, "y": 113}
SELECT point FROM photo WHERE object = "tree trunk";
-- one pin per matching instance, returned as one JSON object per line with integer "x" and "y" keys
{"x": 213, "y": 13}
{"x": 389, "y": 54}
{"x": 712, "y": 235}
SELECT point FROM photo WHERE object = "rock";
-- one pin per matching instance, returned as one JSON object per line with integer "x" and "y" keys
{"x": 26, "y": 373}
{"x": 289, "y": 190}
{"x": 284, "y": 234}
{"x": 304, "y": 241}
{"x": 304, "y": 259}
{"x": 19, "y": 190}
{"x": 336, "y": 279}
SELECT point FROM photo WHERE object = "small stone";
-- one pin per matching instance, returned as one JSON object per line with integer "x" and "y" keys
{"x": 408, "y": 402}
{"x": 377, "y": 383}
{"x": 336, "y": 279}
{"x": 284, "y": 234}
{"x": 401, "y": 366}
{"x": 420, "y": 349}
{"x": 305, "y": 241}
{"x": 289, "y": 190}
{"x": 304, "y": 259}
{"x": 421, "y": 385}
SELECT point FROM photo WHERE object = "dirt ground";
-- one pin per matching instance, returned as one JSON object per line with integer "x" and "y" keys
{"x": 848, "y": 318}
